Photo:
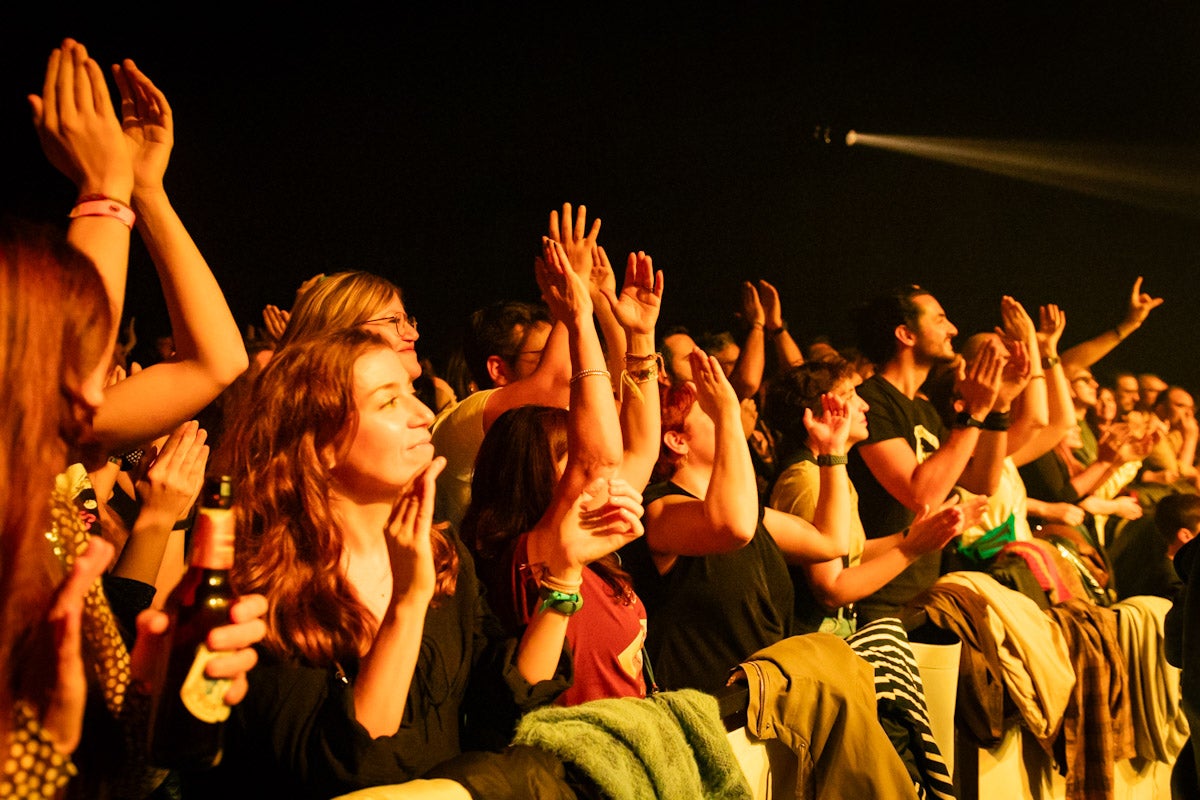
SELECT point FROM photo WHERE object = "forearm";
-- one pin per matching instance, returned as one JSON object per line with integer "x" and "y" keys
{"x": 731, "y": 502}
{"x": 982, "y": 473}
{"x": 593, "y": 429}
{"x": 786, "y": 350}
{"x": 747, "y": 373}
{"x": 386, "y": 672}
{"x": 142, "y": 556}
{"x": 840, "y": 586}
{"x": 832, "y": 515}
{"x": 202, "y": 325}
{"x": 935, "y": 477}
{"x": 613, "y": 336}
{"x": 1090, "y": 477}
{"x": 542, "y": 645}
{"x": 641, "y": 421}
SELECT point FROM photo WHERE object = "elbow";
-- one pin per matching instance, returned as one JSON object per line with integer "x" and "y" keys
{"x": 738, "y": 534}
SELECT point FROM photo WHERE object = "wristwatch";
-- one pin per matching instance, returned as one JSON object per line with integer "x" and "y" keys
{"x": 965, "y": 420}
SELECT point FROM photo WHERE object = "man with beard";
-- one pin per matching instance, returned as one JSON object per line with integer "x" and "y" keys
{"x": 909, "y": 460}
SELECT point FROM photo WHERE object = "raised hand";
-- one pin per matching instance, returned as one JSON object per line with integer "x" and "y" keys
{"x": 577, "y": 241}
{"x": 931, "y": 531}
{"x": 1017, "y": 325}
{"x": 752, "y": 312}
{"x": 148, "y": 126}
{"x": 1052, "y": 322}
{"x": 772, "y": 311}
{"x": 638, "y": 305}
{"x": 978, "y": 384}
{"x": 605, "y": 516}
{"x": 1016, "y": 373}
{"x": 275, "y": 320}
{"x": 563, "y": 288}
{"x": 714, "y": 393}
{"x": 414, "y": 576}
{"x": 171, "y": 479}
{"x": 830, "y": 431}
{"x": 62, "y": 714}
{"x": 1140, "y": 305}
{"x": 78, "y": 127}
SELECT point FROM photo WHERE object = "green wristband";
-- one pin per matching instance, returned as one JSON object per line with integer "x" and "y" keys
{"x": 563, "y": 602}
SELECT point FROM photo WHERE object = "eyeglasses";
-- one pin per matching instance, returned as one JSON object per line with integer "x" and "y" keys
{"x": 399, "y": 320}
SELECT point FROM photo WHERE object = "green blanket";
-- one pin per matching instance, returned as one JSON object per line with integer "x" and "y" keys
{"x": 670, "y": 745}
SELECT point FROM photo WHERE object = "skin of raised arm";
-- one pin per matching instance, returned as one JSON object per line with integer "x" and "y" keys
{"x": 387, "y": 669}
{"x": 81, "y": 136}
{"x": 210, "y": 353}
{"x": 1089, "y": 352}
{"x": 727, "y": 516}
{"x": 787, "y": 352}
{"x": 637, "y": 309}
{"x": 980, "y": 380}
{"x": 1060, "y": 408}
{"x": 167, "y": 489}
{"x": 828, "y": 536}
{"x": 549, "y": 383}
{"x": 747, "y": 373}
{"x": 593, "y": 429}
{"x": 1030, "y": 411}
{"x": 884, "y": 559}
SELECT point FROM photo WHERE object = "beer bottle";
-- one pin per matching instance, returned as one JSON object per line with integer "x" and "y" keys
{"x": 187, "y": 722}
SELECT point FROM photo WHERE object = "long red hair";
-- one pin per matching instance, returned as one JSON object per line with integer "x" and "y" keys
{"x": 289, "y": 542}
{"x": 55, "y": 323}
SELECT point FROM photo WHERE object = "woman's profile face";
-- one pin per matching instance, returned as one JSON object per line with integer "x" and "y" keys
{"x": 394, "y": 324}
{"x": 391, "y": 444}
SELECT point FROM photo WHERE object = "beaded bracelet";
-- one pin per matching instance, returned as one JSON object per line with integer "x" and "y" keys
{"x": 584, "y": 373}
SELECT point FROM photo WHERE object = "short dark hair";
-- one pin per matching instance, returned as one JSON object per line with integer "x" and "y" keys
{"x": 1175, "y": 511}
{"x": 876, "y": 321}
{"x": 498, "y": 330}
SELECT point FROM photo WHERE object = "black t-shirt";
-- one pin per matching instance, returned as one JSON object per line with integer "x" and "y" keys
{"x": 709, "y": 613}
{"x": 893, "y": 416}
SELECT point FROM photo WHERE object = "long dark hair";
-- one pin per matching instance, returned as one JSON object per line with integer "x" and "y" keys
{"x": 516, "y": 470}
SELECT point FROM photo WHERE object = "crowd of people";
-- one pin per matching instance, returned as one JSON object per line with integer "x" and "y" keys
{"x": 580, "y": 508}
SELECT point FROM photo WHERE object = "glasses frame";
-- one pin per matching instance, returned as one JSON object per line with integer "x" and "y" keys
{"x": 398, "y": 320}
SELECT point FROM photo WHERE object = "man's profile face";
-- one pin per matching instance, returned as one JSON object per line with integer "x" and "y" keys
{"x": 1127, "y": 393}
{"x": 933, "y": 330}
{"x": 677, "y": 347}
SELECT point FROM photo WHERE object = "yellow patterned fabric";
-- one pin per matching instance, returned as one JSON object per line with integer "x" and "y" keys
{"x": 32, "y": 766}
{"x": 108, "y": 658}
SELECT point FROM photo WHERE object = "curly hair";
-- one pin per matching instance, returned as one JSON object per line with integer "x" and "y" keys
{"x": 797, "y": 389}
{"x": 290, "y": 545}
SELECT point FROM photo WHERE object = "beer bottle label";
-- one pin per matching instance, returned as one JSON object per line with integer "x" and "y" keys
{"x": 203, "y": 696}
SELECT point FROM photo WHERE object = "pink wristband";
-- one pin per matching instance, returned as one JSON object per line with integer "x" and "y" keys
{"x": 105, "y": 208}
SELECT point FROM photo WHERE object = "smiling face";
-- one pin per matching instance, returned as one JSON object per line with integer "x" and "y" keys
{"x": 933, "y": 331}
{"x": 391, "y": 442}
{"x": 847, "y": 391}
{"x": 404, "y": 339}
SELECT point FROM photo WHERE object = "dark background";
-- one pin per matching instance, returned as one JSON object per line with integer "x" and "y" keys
{"x": 430, "y": 145}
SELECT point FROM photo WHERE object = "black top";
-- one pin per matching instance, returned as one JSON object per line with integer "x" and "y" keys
{"x": 296, "y": 735}
{"x": 709, "y": 613}
{"x": 893, "y": 416}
